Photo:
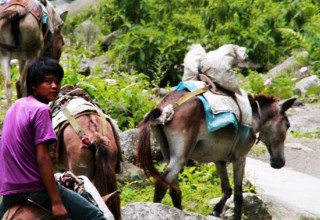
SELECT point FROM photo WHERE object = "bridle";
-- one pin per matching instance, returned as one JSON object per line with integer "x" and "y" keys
{"x": 259, "y": 114}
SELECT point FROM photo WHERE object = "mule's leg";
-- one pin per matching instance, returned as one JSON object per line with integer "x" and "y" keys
{"x": 5, "y": 63}
{"x": 171, "y": 175}
{"x": 179, "y": 151}
{"x": 21, "y": 83}
{"x": 160, "y": 190}
{"x": 225, "y": 186}
{"x": 238, "y": 173}
{"x": 176, "y": 195}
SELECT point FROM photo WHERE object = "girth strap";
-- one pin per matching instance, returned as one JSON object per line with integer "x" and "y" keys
{"x": 75, "y": 125}
{"x": 103, "y": 122}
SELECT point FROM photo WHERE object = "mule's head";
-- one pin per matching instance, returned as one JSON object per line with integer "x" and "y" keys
{"x": 56, "y": 42}
{"x": 274, "y": 126}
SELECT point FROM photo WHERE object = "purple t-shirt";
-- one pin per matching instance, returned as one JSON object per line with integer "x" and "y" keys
{"x": 26, "y": 124}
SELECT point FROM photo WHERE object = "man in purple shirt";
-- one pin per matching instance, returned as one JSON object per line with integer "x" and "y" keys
{"x": 26, "y": 172}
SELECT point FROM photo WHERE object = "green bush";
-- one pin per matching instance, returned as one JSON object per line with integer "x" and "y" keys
{"x": 156, "y": 33}
{"x": 199, "y": 184}
{"x": 281, "y": 86}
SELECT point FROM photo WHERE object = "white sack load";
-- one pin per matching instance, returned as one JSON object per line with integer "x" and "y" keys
{"x": 218, "y": 64}
{"x": 192, "y": 61}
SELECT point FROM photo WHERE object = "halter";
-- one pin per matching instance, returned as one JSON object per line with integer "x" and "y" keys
{"x": 259, "y": 113}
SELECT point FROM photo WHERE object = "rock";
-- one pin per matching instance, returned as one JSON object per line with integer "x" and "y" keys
{"x": 253, "y": 207}
{"x": 81, "y": 5}
{"x": 157, "y": 211}
{"x": 130, "y": 173}
{"x": 84, "y": 68}
{"x": 290, "y": 66}
{"x": 302, "y": 86}
{"x": 109, "y": 39}
{"x": 128, "y": 144}
{"x": 87, "y": 31}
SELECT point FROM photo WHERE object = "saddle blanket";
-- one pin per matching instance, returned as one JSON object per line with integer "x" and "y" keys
{"x": 75, "y": 106}
{"x": 47, "y": 14}
{"x": 32, "y": 6}
{"x": 222, "y": 110}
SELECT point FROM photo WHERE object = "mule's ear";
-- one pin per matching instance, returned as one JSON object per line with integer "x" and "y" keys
{"x": 63, "y": 16}
{"x": 287, "y": 104}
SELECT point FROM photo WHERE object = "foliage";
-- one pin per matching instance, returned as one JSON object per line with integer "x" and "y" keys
{"x": 199, "y": 184}
{"x": 150, "y": 50}
{"x": 14, "y": 78}
{"x": 157, "y": 30}
{"x": 298, "y": 134}
{"x": 156, "y": 34}
{"x": 125, "y": 98}
{"x": 281, "y": 86}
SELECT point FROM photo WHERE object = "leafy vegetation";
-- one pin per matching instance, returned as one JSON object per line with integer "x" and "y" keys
{"x": 155, "y": 30}
{"x": 154, "y": 38}
{"x": 149, "y": 52}
{"x": 199, "y": 184}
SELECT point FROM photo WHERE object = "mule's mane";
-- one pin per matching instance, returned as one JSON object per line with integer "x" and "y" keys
{"x": 266, "y": 102}
{"x": 265, "y": 99}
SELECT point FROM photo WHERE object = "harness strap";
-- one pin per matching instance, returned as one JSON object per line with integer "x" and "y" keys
{"x": 39, "y": 206}
{"x": 189, "y": 95}
{"x": 259, "y": 112}
{"x": 236, "y": 138}
{"x": 72, "y": 122}
{"x": 103, "y": 122}
{"x": 211, "y": 85}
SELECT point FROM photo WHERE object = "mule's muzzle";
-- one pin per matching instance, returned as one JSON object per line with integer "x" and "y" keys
{"x": 277, "y": 163}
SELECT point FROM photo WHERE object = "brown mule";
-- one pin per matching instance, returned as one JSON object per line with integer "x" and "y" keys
{"x": 96, "y": 153}
{"x": 32, "y": 210}
{"x": 186, "y": 137}
{"x": 22, "y": 38}
{"x": 27, "y": 212}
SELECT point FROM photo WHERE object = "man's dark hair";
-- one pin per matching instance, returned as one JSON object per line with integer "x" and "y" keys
{"x": 39, "y": 69}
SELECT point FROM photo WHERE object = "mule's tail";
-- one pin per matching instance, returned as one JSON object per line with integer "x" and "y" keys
{"x": 105, "y": 177}
{"x": 143, "y": 150}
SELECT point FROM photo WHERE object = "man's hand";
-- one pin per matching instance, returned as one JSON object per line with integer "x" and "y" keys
{"x": 59, "y": 212}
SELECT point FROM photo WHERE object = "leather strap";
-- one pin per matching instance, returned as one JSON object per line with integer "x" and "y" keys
{"x": 72, "y": 122}
{"x": 103, "y": 121}
{"x": 189, "y": 95}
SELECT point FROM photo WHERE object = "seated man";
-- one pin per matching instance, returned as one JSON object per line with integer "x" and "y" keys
{"x": 26, "y": 172}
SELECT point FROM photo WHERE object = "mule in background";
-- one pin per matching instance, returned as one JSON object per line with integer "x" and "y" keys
{"x": 24, "y": 37}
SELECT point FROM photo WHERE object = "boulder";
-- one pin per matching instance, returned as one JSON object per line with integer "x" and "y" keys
{"x": 157, "y": 211}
